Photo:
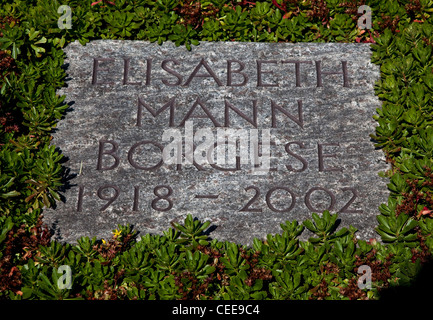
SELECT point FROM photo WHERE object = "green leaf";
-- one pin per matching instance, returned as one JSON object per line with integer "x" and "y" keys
{"x": 410, "y": 224}
{"x": 309, "y": 225}
{"x": 383, "y": 222}
{"x": 385, "y": 236}
{"x": 6, "y": 226}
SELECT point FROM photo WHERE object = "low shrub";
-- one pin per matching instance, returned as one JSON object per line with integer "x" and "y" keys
{"x": 184, "y": 263}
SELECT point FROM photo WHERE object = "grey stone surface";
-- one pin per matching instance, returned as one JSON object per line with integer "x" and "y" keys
{"x": 330, "y": 163}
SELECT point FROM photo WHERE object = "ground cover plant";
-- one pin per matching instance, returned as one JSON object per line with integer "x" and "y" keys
{"x": 184, "y": 263}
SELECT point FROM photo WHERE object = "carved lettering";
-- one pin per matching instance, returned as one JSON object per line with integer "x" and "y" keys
{"x": 170, "y": 71}
{"x": 148, "y": 71}
{"x": 269, "y": 195}
{"x": 235, "y": 149}
{"x": 170, "y": 104}
{"x": 299, "y": 121}
{"x": 205, "y": 139}
{"x": 228, "y": 106}
{"x": 297, "y": 69}
{"x": 259, "y": 156}
{"x": 96, "y": 70}
{"x": 322, "y": 156}
{"x": 310, "y": 206}
{"x": 126, "y": 63}
{"x": 238, "y": 71}
{"x": 252, "y": 200}
{"x": 165, "y": 196}
{"x": 303, "y": 161}
{"x": 231, "y": 72}
{"x": 319, "y": 73}
{"x": 142, "y": 143}
{"x": 160, "y": 197}
{"x": 80, "y": 199}
{"x": 110, "y": 199}
{"x": 203, "y": 75}
{"x": 346, "y": 206}
{"x": 200, "y": 103}
{"x": 210, "y": 160}
{"x": 136, "y": 196}
{"x": 111, "y": 153}
{"x": 260, "y": 72}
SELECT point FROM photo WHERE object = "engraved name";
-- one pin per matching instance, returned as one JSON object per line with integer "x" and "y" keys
{"x": 234, "y": 74}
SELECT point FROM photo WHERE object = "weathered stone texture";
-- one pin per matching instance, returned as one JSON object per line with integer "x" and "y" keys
{"x": 321, "y": 155}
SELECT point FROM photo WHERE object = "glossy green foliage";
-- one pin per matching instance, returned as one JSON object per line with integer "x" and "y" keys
{"x": 184, "y": 263}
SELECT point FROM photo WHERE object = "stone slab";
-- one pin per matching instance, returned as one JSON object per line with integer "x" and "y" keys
{"x": 132, "y": 101}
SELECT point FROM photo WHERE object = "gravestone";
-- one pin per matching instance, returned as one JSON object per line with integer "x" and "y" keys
{"x": 244, "y": 135}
